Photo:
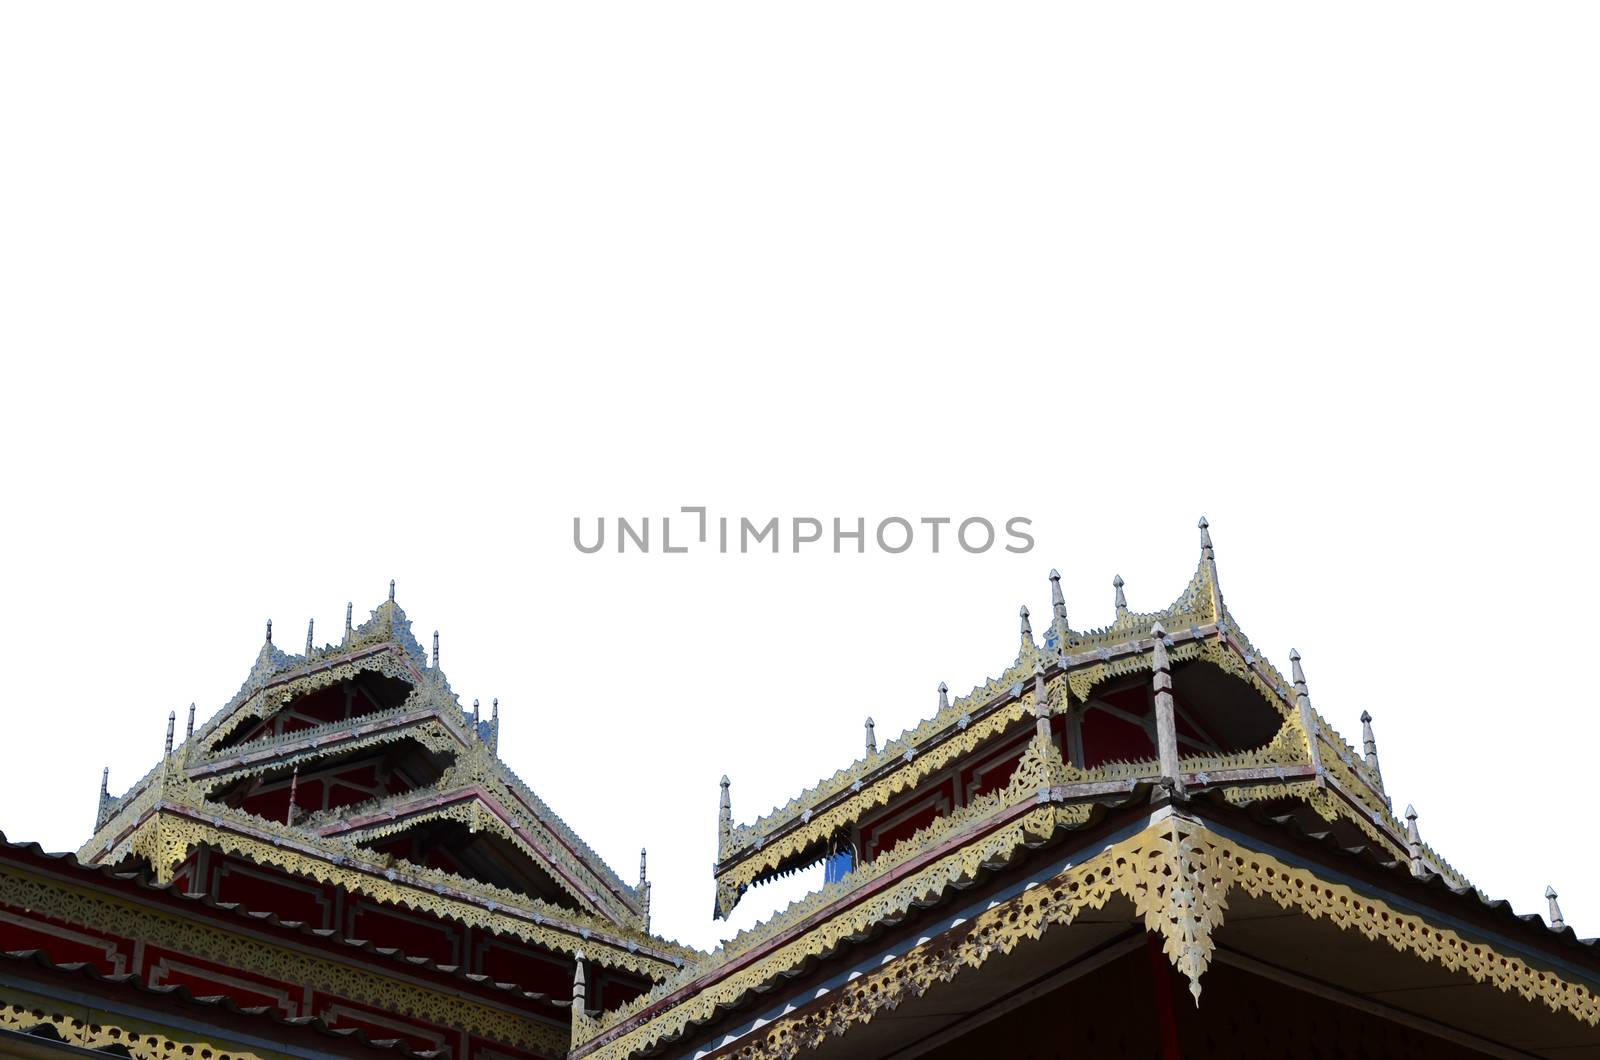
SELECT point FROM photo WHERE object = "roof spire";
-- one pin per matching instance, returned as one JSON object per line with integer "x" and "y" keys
{"x": 172, "y": 721}
{"x": 1041, "y": 702}
{"x": 644, "y": 890}
{"x": 494, "y": 725}
{"x": 269, "y": 631}
{"x": 1414, "y": 841}
{"x": 1122, "y": 601}
{"x": 724, "y": 818}
{"x": 944, "y": 696}
{"x": 189, "y": 731}
{"x": 349, "y": 615}
{"x": 1027, "y": 626}
{"x": 391, "y": 590}
{"x": 1058, "y": 608}
{"x": 1369, "y": 747}
{"x": 311, "y": 629}
{"x": 1557, "y": 922}
{"x": 105, "y": 781}
{"x": 477, "y": 718}
{"x": 1308, "y": 717}
{"x": 294, "y": 788}
{"x": 435, "y": 649}
{"x": 872, "y": 739}
{"x": 1208, "y": 562}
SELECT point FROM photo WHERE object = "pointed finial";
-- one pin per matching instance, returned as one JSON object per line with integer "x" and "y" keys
{"x": 349, "y": 618}
{"x": 1122, "y": 601}
{"x": 1414, "y": 841}
{"x": 476, "y": 718}
{"x": 1557, "y": 922}
{"x": 494, "y": 711}
{"x": 724, "y": 817}
{"x": 105, "y": 781}
{"x": 944, "y": 696}
{"x": 189, "y": 730}
{"x": 435, "y": 649}
{"x": 872, "y": 739}
{"x": 269, "y": 631}
{"x": 391, "y": 590}
{"x": 1369, "y": 746}
{"x": 1205, "y": 537}
{"x": 311, "y": 629}
{"x": 294, "y": 789}
{"x": 1027, "y": 627}
{"x": 1058, "y": 604}
{"x": 1298, "y": 672}
{"x": 642, "y": 875}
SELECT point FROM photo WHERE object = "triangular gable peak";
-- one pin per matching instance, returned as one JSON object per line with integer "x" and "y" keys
{"x": 355, "y": 764}
{"x": 1236, "y": 725}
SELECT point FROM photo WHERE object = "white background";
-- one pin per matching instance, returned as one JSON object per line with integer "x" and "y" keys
{"x": 300, "y": 297}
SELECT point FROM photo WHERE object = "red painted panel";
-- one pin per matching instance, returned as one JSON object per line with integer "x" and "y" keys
{"x": 1107, "y": 738}
{"x": 418, "y": 937}
{"x": 62, "y": 944}
{"x": 262, "y": 890}
{"x": 509, "y": 963}
{"x": 383, "y": 1026}
{"x": 205, "y": 978}
{"x": 881, "y": 833}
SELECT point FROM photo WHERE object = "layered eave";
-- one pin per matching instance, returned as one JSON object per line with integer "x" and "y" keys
{"x": 1307, "y": 759}
{"x": 1032, "y": 860}
{"x": 177, "y": 807}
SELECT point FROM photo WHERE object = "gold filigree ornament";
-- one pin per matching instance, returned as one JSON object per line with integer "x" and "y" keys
{"x": 76, "y": 906}
{"x": 1176, "y": 872}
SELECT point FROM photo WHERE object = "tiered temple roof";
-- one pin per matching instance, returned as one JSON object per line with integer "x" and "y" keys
{"x": 337, "y": 862}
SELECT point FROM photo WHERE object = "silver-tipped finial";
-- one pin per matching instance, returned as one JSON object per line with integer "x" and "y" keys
{"x": 435, "y": 649}
{"x": 1205, "y": 536}
{"x": 1027, "y": 626}
{"x": 172, "y": 723}
{"x": 1058, "y": 601}
{"x": 1122, "y": 601}
{"x": 476, "y": 718}
{"x": 1369, "y": 745}
{"x": 391, "y": 590}
{"x": 311, "y": 629}
{"x": 494, "y": 711}
{"x": 349, "y": 618}
{"x": 105, "y": 780}
{"x": 189, "y": 729}
{"x": 944, "y": 696}
{"x": 269, "y": 631}
{"x": 1297, "y": 671}
{"x": 872, "y": 739}
{"x": 642, "y": 874}
{"x": 1414, "y": 841}
{"x": 1557, "y": 921}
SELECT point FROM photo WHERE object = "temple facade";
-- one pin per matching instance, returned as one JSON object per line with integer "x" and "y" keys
{"x": 1136, "y": 841}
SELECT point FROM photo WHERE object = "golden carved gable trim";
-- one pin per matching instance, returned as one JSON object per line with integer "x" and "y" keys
{"x": 1178, "y": 875}
{"x": 82, "y": 907}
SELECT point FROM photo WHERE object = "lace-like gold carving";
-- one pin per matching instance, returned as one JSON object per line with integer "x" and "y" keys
{"x": 75, "y": 906}
{"x": 1177, "y": 873}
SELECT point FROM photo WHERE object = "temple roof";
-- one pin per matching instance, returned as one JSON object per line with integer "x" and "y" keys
{"x": 1066, "y": 669}
{"x": 263, "y": 738}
